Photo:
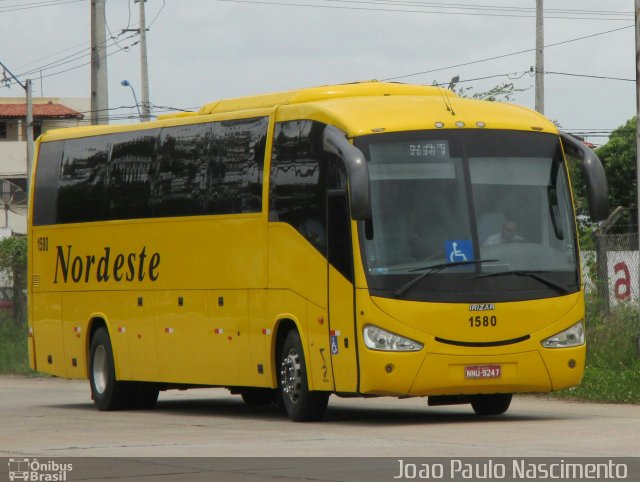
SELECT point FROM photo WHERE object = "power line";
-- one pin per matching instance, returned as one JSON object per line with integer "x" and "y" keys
{"x": 510, "y": 76}
{"x": 52, "y": 54}
{"x": 114, "y": 38}
{"x": 78, "y": 54}
{"x": 164, "y": 3}
{"x": 590, "y": 76}
{"x": 496, "y": 57}
{"x": 84, "y": 64}
{"x": 510, "y": 8}
{"x": 71, "y": 58}
{"x": 489, "y": 8}
{"x": 425, "y": 10}
{"x": 29, "y": 6}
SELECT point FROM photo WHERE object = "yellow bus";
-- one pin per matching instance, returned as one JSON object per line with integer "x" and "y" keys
{"x": 367, "y": 239}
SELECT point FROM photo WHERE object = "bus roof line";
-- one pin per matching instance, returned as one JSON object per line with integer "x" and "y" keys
{"x": 315, "y": 94}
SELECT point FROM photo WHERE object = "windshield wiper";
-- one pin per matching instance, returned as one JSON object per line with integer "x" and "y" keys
{"x": 432, "y": 269}
{"x": 532, "y": 274}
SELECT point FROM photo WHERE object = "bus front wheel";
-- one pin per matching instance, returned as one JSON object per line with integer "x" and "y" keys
{"x": 301, "y": 404}
{"x": 107, "y": 393}
{"x": 494, "y": 404}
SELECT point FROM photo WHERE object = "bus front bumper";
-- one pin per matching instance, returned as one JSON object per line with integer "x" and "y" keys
{"x": 413, "y": 374}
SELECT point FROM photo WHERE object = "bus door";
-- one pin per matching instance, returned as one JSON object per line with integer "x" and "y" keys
{"x": 343, "y": 346}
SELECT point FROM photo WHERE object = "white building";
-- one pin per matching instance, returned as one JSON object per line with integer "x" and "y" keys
{"x": 48, "y": 113}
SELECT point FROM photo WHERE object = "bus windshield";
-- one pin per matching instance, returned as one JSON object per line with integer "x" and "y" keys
{"x": 469, "y": 216}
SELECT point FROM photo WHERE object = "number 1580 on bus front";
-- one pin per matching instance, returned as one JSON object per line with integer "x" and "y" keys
{"x": 478, "y": 321}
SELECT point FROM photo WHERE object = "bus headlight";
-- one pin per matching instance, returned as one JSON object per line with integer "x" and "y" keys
{"x": 573, "y": 336}
{"x": 379, "y": 339}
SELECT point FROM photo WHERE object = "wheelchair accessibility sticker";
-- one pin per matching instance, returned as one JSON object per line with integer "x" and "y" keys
{"x": 334, "y": 334}
{"x": 459, "y": 250}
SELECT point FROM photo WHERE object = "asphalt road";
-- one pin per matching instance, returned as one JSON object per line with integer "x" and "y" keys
{"x": 56, "y": 418}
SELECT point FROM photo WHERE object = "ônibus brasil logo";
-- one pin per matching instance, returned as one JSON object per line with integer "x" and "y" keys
{"x": 32, "y": 470}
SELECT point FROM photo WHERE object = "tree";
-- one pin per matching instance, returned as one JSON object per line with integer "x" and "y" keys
{"x": 619, "y": 159}
{"x": 13, "y": 261}
{"x": 500, "y": 93}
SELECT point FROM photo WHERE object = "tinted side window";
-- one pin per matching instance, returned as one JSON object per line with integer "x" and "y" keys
{"x": 213, "y": 168}
{"x": 298, "y": 180}
{"x": 340, "y": 253}
{"x": 179, "y": 181}
{"x": 132, "y": 156}
{"x": 235, "y": 165}
{"x": 45, "y": 204}
{"x": 209, "y": 168}
{"x": 82, "y": 182}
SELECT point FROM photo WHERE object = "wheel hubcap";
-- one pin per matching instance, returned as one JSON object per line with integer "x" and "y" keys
{"x": 100, "y": 369}
{"x": 290, "y": 375}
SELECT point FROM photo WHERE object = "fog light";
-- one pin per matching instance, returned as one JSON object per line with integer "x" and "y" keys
{"x": 572, "y": 363}
{"x": 388, "y": 368}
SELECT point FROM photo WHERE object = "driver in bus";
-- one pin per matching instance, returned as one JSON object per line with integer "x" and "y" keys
{"x": 508, "y": 234}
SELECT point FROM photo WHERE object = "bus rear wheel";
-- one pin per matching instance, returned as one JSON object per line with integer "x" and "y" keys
{"x": 107, "y": 393}
{"x": 495, "y": 404}
{"x": 301, "y": 404}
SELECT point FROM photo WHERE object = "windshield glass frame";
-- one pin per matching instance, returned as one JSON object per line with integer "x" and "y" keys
{"x": 457, "y": 163}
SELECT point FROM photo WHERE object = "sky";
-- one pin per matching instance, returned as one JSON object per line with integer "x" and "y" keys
{"x": 203, "y": 50}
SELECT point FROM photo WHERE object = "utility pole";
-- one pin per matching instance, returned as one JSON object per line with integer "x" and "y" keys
{"x": 637, "y": 5}
{"x": 144, "y": 67}
{"x": 99, "y": 85}
{"x": 539, "y": 57}
{"x": 29, "y": 95}
{"x": 29, "y": 114}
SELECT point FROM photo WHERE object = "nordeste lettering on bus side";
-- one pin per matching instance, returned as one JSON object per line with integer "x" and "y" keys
{"x": 130, "y": 266}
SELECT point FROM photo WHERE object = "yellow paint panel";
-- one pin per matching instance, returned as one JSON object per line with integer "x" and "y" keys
{"x": 181, "y": 333}
{"x": 343, "y": 337}
{"x": 565, "y": 366}
{"x": 149, "y": 256}
{"x": 228, "y": 336}
{"x": 295, "y": 264}
{"x": 134, "y": 332}
{"x": 451, "y": 321}
{"x": 47, "y": 333}
{"x": 319, "y": 363}
{"x": 74, "y": 334}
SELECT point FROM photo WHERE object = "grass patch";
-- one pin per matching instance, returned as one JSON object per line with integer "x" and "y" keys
{"x": 14, "y": 355}
{"x": 612, "y": 373}
{"x": 607, "y": 385}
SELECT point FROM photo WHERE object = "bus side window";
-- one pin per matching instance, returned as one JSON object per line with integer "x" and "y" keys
{"x": 298, "y": 180}
{"x": 340, "y": 253}
{"x": 45, "y": 204}
{"x": 129, "y": 174}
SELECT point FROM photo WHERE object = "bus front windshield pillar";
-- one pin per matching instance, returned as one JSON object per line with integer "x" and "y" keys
{"x": 335, "y": 142}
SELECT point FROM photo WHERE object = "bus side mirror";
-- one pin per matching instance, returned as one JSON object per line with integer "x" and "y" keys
{"x": 334, "y": 141}
{"x": 593, "y": 173}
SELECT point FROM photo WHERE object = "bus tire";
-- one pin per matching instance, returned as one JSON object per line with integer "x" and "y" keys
{"x": 495, "y": 404}
{"x": 107, "y": 393}
{"x": 301, "y": 404}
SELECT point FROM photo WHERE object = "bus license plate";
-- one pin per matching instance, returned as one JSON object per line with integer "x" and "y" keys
{"x": 482, "y": 371}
